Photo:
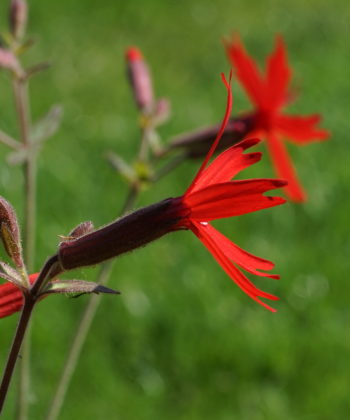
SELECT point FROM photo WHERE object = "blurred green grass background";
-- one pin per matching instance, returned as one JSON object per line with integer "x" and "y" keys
{"x": 182, "y": 341}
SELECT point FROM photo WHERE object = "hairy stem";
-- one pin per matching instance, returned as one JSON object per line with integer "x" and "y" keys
{"x": 15, "y": 348}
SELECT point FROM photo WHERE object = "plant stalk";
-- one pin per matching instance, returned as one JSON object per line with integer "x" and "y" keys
{"x": 15, "y": 348}
{"x": 20, "y": 89}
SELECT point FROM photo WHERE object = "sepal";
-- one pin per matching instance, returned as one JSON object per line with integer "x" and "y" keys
{"x": 8, "y": 273}
{"x": 75, "y": 288}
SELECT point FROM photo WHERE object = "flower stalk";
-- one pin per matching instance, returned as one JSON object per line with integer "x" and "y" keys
{"x": 15, "y": 348}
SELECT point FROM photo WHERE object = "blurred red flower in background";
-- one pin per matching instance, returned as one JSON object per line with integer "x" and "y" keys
{"x": 269, "y": 94}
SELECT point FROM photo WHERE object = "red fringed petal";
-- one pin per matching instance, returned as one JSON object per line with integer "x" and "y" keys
{"x": 232, "y": 199}
{"x": 278, "y": 74}
{"x": 220, "y": 133}
{"x": 239, "y": 278}
{"x": 301, "y": 130}
{"x": 247, "y": 261}
{"x": 228, "y": 164}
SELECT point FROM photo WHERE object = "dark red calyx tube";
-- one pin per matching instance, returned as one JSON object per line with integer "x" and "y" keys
{"x": 125, "y": 234}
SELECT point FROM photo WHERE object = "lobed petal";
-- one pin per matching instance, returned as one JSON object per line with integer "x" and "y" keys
{"x": 219, "y": 134}
{"x": 278, "y": 74}
{"x": 284, "y": 167}
{"x": 244, "y": 259}
{"x": 301, "y": 130}
{"x": 236, "y": 275}
{"x": 247, "y": 72}
{"x": 228, "y": 164}
{"x": 232, "y": 199}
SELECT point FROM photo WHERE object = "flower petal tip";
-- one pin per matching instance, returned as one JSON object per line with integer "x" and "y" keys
{"x": 133, "y": 54}
{"x": 247, "y": 143}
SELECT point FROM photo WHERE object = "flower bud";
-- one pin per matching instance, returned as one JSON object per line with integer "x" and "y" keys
{"x": 9, "y": 61}
{"x": 197, "y": 143}
{"x": 9, "y": 232}
{"x": 18, "y": 18}
{"x": 124, "y": 235}
{"x": 140, "y": 79}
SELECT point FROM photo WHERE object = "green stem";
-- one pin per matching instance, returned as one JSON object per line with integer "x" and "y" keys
{"x": 20, "y": 89}
{"x": 23, "y": 111}
{"x": 9, "y": 141}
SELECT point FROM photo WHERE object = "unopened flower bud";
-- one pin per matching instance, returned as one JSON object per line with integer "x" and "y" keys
{"x": 9, "y": 232}
{"x": 18, "y": 18}
{"x": 125, "y": 234}
{"x": 140, "y": 79}
{"x": 197, "y": 143}
{"x": 9, "y": 61}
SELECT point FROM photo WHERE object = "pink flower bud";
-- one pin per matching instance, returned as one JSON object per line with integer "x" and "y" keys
{"x": 18, "y": 18}
{"x": 8, "y": 60}
{"x": 140, "y": 79}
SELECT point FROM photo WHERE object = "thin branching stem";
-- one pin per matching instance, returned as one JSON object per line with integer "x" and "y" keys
{"x": 9, "y": 141}
{"x": 20, "y": 90}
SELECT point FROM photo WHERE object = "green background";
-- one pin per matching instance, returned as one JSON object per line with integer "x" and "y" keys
{"x": 182, "y": 341}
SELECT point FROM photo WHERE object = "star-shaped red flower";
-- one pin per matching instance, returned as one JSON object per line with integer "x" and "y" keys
{"x": 269, "y": 94}
{"x": 212, "y": 195}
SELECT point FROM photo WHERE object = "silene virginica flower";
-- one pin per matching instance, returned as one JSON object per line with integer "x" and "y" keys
{"x": 270, "y": 94}
{"x": 212, "y": 195}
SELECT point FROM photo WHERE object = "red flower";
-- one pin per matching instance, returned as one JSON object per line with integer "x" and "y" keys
{"x": 212, "y": 195}
{"x": 11, "y": 297}
{"x": 269, "y": 94}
